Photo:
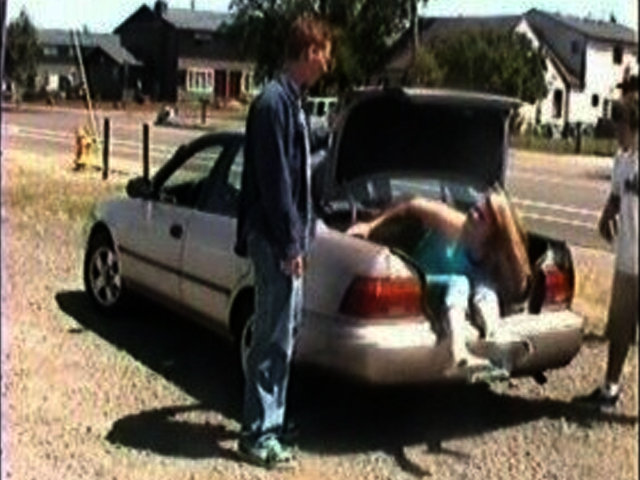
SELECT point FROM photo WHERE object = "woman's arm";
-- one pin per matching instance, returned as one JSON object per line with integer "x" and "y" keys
{"x": 364, "y": 229}
{"x": 432, "y": 214}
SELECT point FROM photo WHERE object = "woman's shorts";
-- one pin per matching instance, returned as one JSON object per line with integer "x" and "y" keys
{"x": 623, "y": 309}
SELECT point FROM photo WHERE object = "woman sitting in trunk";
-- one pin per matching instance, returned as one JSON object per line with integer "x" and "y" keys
{"x": 478, "y": 259}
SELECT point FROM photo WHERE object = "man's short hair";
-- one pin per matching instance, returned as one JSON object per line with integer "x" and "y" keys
{"x": 629, "y": 84}
{"x": 306, "y": 31}
{"x": 625, "y": 111}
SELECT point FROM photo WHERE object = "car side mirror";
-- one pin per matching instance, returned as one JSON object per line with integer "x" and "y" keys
{"x": 139, "y": 187}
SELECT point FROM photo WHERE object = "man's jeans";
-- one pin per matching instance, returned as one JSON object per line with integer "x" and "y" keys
{"x": 278, "y": 305}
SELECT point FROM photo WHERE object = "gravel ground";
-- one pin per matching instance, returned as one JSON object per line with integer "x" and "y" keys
{"x": 150, "y": 396}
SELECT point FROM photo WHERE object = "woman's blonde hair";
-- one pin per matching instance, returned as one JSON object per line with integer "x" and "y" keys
{"x": 509, "y": 261}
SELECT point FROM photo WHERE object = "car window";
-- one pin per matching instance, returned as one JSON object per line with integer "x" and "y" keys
{"x": 221, "y": 194}
{"x": 184, "y": 186}
{"x": 235, "y": 172}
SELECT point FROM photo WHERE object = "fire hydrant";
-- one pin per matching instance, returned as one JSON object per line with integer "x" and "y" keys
{"x": 83, "y": 149}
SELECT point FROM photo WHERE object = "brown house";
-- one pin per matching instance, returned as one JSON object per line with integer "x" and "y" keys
{"x": 185, "y": 54}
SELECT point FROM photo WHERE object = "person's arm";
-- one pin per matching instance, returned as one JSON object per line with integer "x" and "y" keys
{"x": 433, "y": 214}
{"x": 274, "y": 181}
{"x": 607, "y": 224}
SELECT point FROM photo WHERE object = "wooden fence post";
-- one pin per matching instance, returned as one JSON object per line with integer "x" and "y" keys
{"x": 145, "y": 150}
{"x": 105, "y": 148}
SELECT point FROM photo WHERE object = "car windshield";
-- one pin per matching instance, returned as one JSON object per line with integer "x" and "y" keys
{"x": 381, "y": 191}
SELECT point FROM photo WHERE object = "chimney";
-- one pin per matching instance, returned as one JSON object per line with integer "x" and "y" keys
{"x": 161, "y": 8}
{"x": 193, "y": 5}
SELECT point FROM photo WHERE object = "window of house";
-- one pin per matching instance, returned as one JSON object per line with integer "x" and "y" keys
{"x": 595, "y": 100}
{"x": 617, "y": 55}
{"x": 557, "y": 103}
{"x": 202, "y": 37}
{"x": 199, "y": 80}
{"x": 49, "y": 51}
{"x": 575, "y": 47}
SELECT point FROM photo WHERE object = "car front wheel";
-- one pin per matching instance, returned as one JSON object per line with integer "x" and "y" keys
{"x": 103, "y": 274}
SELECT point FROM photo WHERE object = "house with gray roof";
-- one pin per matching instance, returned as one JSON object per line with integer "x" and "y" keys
{"x": 109, "y": 77}
{"x": 591, "y": 55}
{"x": 185, "y": 53}
{"x": 585, "y": 59}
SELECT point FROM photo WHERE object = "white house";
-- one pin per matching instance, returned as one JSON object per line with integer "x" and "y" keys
{"x": 588, "y": 58}
{"x": 585, "y": 59}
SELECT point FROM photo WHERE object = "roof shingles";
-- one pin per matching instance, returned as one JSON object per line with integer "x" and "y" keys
{"x": 186, "y": 19}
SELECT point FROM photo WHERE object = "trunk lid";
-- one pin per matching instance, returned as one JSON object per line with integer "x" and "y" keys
{"x": 422, "y": 133}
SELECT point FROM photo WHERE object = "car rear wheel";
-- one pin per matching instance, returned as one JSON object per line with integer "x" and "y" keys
{"x": 103, "y": 273}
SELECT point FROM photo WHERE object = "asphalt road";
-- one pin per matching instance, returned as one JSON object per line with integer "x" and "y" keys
{"x": 559, "y": 196}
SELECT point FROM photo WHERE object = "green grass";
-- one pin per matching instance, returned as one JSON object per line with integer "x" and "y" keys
{"x": 589, "y": 146}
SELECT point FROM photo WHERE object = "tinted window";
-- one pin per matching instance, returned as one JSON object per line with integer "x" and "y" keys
{"x": 184, "y": 185}
{"x": 220, "y": 195}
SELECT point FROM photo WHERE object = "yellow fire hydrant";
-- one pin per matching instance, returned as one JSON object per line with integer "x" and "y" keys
{"x": 84, "y": 143}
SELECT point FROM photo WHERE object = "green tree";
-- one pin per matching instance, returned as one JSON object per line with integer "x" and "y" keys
{"x": 364, "y": 30}
{"x": 414, "y": 22}
{"x": 425, "y": 70}
{"x": 23, "y": 52}
{"x": 492, "y": 61}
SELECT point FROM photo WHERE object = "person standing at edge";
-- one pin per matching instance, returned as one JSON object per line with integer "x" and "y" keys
{"x": 274, "y": 230}
{"x": 622, "y": 203}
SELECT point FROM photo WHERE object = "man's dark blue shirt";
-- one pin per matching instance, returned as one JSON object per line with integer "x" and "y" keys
{"x": 273, "y": 197}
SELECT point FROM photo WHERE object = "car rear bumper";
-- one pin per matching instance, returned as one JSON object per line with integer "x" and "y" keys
{"x": 411, "y": 352}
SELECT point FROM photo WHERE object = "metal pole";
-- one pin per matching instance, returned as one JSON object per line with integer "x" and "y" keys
{"x": 578, "y": 137}
{"x": 3, "y": 38}
{"x": 105, "y": 149}
{"x": 145, "y": 151}
{"x": 203, "y": 111}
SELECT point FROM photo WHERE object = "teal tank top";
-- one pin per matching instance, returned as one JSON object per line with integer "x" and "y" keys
{"x": 437, "y": 255}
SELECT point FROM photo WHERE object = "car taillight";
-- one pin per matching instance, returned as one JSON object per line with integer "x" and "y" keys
{"x": 558, "y": 287}
{"x": 382, "y": 298}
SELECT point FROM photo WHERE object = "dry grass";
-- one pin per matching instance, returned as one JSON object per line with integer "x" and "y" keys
{"x": 45, "y": 191}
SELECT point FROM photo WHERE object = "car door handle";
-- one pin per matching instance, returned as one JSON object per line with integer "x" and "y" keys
{"x": 176, "y": 231}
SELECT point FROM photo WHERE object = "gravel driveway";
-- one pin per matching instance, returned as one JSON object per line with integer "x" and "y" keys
{"x": 150, "y": 396}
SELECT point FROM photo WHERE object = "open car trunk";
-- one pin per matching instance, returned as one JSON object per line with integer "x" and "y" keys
{"x": 450, "y": 146}
{"x": 549, "y": 334}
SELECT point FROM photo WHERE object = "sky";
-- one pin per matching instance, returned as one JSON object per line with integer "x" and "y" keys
{"x": 103, "y": 16}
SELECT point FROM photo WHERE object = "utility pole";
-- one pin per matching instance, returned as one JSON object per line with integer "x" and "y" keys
{"x": 85, "y": 84}
{"x": 3, "y": 13}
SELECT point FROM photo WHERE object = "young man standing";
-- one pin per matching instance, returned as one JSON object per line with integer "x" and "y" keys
{"x": 275, "y": 229}
{"x": 620, "y": 219}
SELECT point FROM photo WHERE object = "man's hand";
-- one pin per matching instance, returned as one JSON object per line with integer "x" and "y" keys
{"x": 293, "y": 267}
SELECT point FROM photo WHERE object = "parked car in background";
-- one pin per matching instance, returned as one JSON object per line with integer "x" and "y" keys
{"x": 172, "y": 237}
{"x": 320, "y": 111}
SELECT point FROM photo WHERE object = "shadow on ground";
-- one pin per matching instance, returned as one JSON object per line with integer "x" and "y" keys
{"x": 337, "y": 416}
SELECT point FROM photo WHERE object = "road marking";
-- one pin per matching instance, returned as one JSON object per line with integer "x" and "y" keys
{"x": 552, "y": 206}
{"x": 69, "y": 138}
{"x": 551, "y": 179}
{"x": 547, "y": 218}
